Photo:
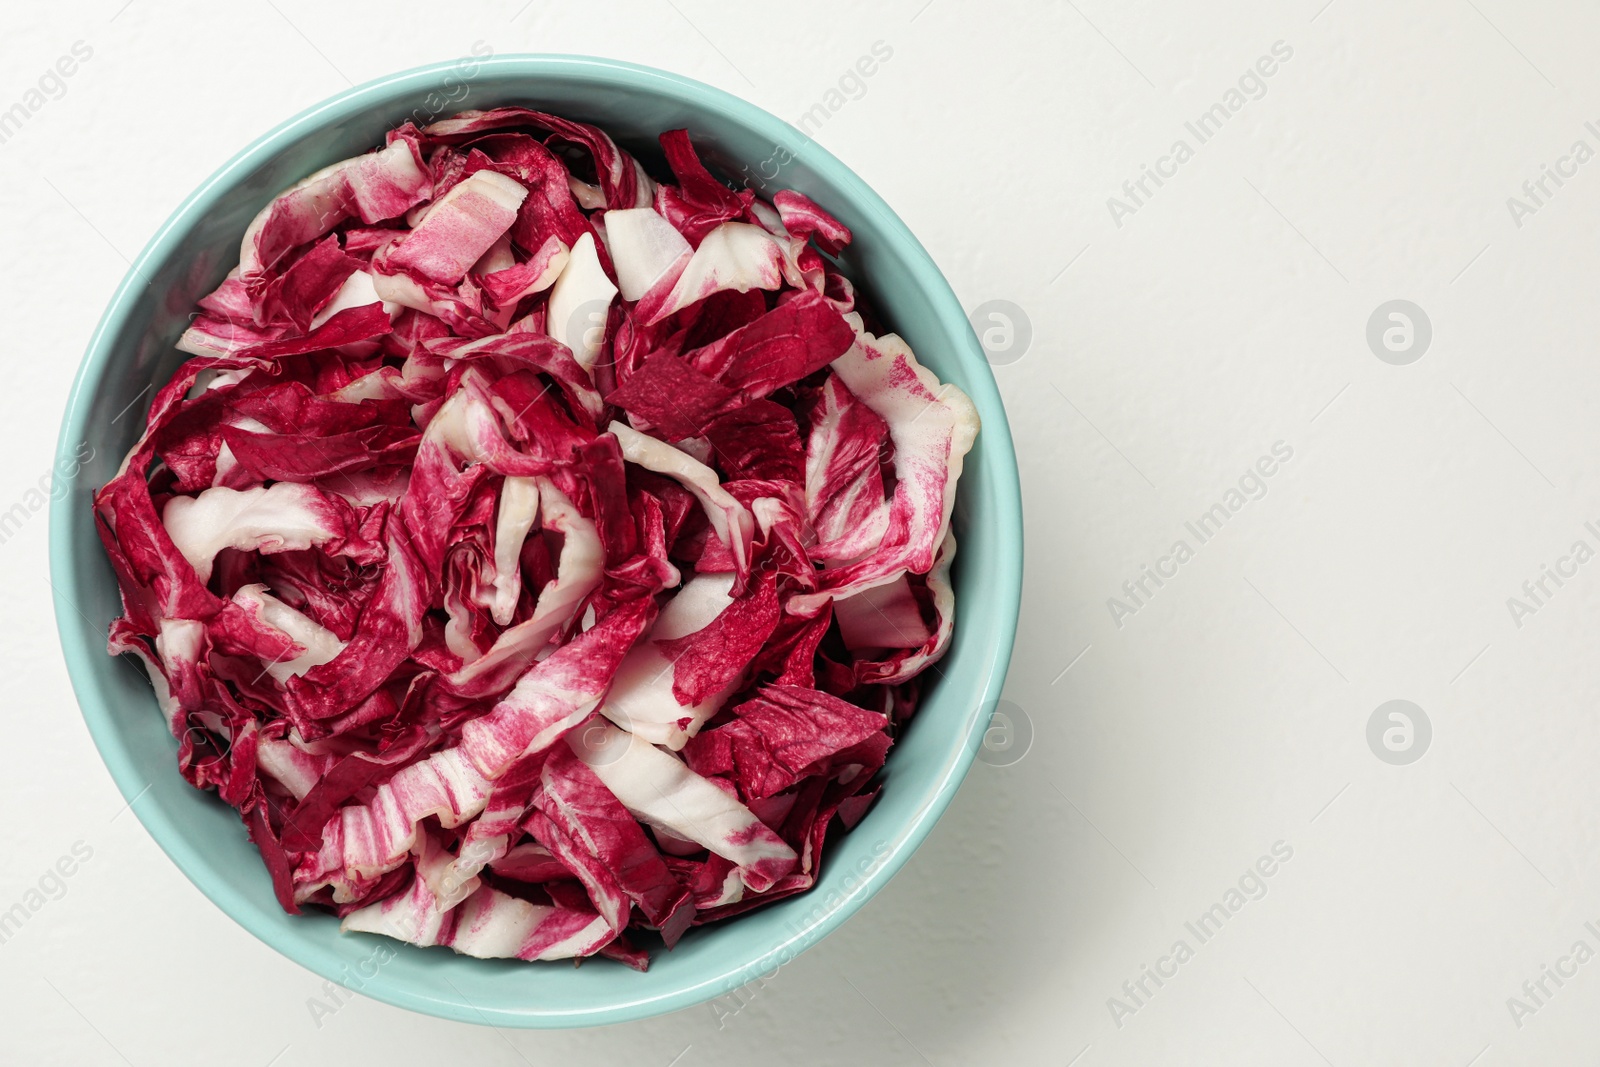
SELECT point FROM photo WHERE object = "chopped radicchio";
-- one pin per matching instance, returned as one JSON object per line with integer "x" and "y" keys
{"x": 534, "y": 552}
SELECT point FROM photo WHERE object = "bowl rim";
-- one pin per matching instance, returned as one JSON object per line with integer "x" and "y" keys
{"x": 1005, "y": 502}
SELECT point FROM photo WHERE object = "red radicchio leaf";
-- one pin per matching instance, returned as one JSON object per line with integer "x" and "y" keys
{"x": 576, "y": 801}
{"x": 700, "y": 202}
{"x": 273, "y": 855}
{"x": 351, "y": 774}
{"x": 795, "y": 339}
{"x": 761, "y": 441}
{"x": 673, "y": 397}
{"x": 780, "y": 737}
{"x": 804, "y": 218}
{"x": 708, "y": 659}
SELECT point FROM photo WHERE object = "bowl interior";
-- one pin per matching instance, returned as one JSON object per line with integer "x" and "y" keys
{"x": 132, "y": 352}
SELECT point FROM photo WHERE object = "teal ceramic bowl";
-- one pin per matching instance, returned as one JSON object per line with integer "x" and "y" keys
{"x": 132, "y": 350}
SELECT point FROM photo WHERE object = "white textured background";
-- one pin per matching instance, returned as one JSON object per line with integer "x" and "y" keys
{"x": 1226, "y": 314}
